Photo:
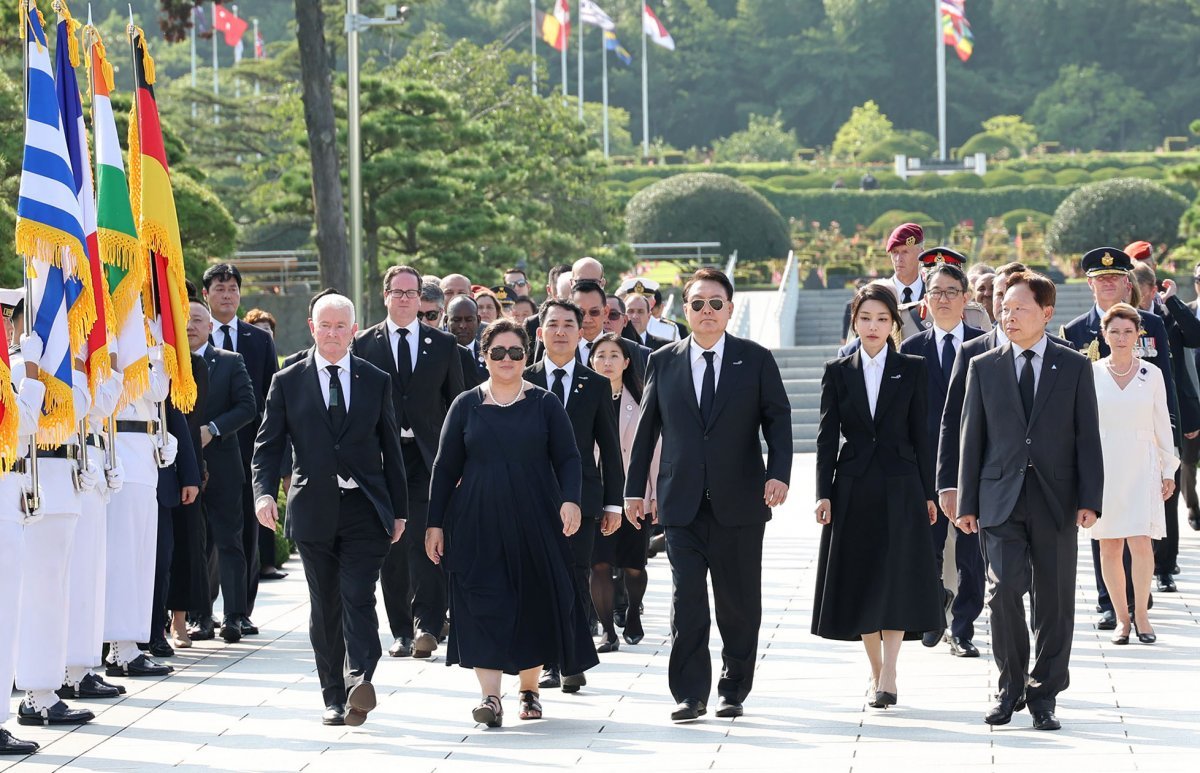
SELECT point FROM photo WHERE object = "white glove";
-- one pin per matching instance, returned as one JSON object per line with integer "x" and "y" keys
{"x": 168, "y": 450}
{"x": 91, "y": 475}
{"x": 156, "y": 331}
{"x": 27, "y": 486}
{"x": 107, "y": 396}
{"x": 115, "y": 477}
{"x": 31, "y": 348}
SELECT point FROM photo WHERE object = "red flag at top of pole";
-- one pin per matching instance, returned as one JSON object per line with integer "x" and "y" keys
{"x": 226, "y": 22}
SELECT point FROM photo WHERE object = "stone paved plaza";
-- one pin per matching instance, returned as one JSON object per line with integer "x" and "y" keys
{"x": 255, "y": 706}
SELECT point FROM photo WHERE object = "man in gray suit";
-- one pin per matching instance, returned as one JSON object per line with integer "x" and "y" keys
{"x": 1030, "y": 474}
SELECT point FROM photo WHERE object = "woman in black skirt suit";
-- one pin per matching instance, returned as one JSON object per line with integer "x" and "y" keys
{"x": 503, "y": 498}
{"x": 876, "y": 576}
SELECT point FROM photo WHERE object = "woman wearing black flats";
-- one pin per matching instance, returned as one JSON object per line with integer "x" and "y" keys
{"x": 876, "y": 579}
{"x": 627, "y": 547}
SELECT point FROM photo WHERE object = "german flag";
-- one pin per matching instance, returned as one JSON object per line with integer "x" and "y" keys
{"x": 153, "y": 205}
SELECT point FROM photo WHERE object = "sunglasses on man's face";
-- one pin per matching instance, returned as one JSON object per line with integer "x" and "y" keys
{"x": 519, "y": 283}
{"x": 515, "y": 353}
{"x": 613, "y": 316}
{"x": 429, "y": 316}
{"x": 716, "y": 304}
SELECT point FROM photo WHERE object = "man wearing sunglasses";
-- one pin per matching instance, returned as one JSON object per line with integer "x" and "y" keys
{"x": 518, "y": 281}
{"x": 588, "y": 400}
{"x": 426, "y": 377}
{"x": 707, "y": 397}
{"x": 589, "y": 296}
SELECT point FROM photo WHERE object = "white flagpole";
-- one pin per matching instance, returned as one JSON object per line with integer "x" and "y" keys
{"x": 941, "y": 78}
{"x": 579, "y": 68}
{"x": 193, "y": 57}
{"x": 566, "y": 45}
{"x": 604, "y": 85}
{"x": 645, "y": 101}
{"x": 533, "y": 44}
{"x": 256, "y": 84}
{"x": 216, "y": 67}
{"x": 237, "y": 58}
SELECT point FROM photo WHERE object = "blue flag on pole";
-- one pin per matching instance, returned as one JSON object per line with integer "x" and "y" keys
{"x": 614, "y": 45}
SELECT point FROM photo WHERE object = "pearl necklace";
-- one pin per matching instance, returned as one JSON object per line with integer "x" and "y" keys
{"x": 499, "y": 404}
{"x": 1128, "y": 370}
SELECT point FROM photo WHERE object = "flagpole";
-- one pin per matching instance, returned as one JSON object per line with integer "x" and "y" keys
{"x": 579, "y": 68}
{"x": 256, "y": 84}
{"x": 193, "y": 57}
{"x": 237, "y": 82}
{"x": 216, "y": 68}
{"x": 604, "y": 86}
{"x": 645, "y": 98}
{"x": 31, "y": 500}
{"x": 563, "y": 56}
{"x": 941, "y": 78}
{"x": 533, "y": 44}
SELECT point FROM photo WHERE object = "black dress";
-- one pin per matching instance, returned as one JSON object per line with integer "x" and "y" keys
{"x": 508, "y": 566}
{"x": 876, "y": 569}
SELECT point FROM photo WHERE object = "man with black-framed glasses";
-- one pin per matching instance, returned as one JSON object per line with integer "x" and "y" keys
{"x": 426, "y": 377}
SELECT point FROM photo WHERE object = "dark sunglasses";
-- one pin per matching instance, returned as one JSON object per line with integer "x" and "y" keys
{"x": 613, "y": 316}
{"x": 497, "y": 353}
{"x": 593, "y": 312}
{"x": 428, "y": 316}
{"x": 715, "y": 303}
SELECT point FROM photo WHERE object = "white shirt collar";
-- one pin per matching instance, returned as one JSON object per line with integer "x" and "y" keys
{"x": 1039, "y": 348}
{"x": 1001, "y": 336}
{"x": 879, "y": 359}
{"x": 233, "y": 326}
{"x": 916, "y": 286}
{"x": 958, "y": 332}
{"x": 203, "y": 350}
{"x": 696, "y": 351}
{"x": 413, "y": 328}
{"x": 569, "y": 367}
{"x": 323, "y": 363}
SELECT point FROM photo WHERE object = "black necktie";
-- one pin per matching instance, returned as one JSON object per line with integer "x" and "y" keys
{"x": 403, "y": 371}
{"x": 1026, "y": 383}
{"x": 226, "y": 344}
{"x": 337, "y": 400}
{"x": 557, "y": 387}
{"x": 907, "y": 295}
{"x": 708, "y": 387}
{"x": 947, "y": 356}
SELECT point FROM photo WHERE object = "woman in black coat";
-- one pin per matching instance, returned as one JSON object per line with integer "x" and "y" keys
{"x": 876, "y": 577}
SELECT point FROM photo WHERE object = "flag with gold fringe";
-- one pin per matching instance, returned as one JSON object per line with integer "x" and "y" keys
{"x": 49, "y": 233}
{"x": 8, "y": 413}
{"x": 153, "y": 205}
{"x": 119, "y": 250}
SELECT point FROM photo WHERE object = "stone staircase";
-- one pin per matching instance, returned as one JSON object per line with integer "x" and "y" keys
{"x": 801, "y": 368}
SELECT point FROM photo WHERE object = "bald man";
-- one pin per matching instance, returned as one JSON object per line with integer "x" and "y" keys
{"x": 588, "y": 268}
{"x": 455, "y": 284}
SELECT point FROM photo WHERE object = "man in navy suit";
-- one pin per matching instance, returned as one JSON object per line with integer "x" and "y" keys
{"x": 945, "y": 300}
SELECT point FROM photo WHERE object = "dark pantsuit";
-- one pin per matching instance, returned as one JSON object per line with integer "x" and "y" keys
{"x": 341, "y": 573}
{"x": 968, "y": 558}
{"x": 250, "y": 528}
{"x": 1190, "y": 455}
{"x": 733, "y": 554}
{"x": 226, "y": 546}
{"x": 266, "y": 546}
{"x": 396, "y": 585}
{"x": 1028, "y": 552}
{"x": 162, "y": 574}
{"x": 188, "y": 589}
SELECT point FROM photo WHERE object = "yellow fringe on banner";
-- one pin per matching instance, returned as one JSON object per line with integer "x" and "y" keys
{"x": 119, "y": 249}
{"x": 136, "y": 382}
{"x": 60, "y": 7}
{"x": 9, "y": 442}
{"x": 23, "y": 11}
{"x": 41, "y": 242}
{"x": 92, "y": 39}
{"x": 57, "y": 422}
{"x": 147, "y": 60}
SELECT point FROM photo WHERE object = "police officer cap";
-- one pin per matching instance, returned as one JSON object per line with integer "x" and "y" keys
{"x": 637, "y": 286}
{"x": 1106, "y": 260}
{"x": 930, "y": 258}
{"x": 505, "y": 294}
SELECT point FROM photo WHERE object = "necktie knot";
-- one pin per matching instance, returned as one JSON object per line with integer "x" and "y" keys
{"x": 403, "y": 331}
{"x": 948, "y": 338}
{"x": 908, "y": 295}
{"x": 333, "y": 370}
{"x": 559, "y": 372}
{"x": 1029, "y": 354}
{"x": 709, "y": 357}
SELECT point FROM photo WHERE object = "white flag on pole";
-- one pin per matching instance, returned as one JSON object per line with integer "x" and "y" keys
{"x": 590, "y": 13}
{"x": 653, "y": 27}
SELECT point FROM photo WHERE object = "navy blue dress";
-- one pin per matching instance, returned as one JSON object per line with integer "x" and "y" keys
{"x": 500, "y": 477}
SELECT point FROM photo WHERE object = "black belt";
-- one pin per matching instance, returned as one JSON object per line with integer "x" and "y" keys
{"x": 18, "y": 466}
{"x": 67, "y": 451}
{"x": 348, "y": 491}
{"x": 95, "y": 440}
{"x": 141, "y": 427}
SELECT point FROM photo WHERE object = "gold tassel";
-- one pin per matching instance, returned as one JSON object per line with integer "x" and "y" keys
{"x": 8, "y": 421}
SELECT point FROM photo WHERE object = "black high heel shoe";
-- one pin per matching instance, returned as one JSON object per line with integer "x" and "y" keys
{"x": 633, "y": 634}
{"x": 1145, "y": 638}
{"x": 883, "y": 700}
{"x": 1121, "y": 638}
{"x": 609, "y": 645}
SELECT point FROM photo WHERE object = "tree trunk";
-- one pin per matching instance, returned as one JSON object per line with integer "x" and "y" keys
{"x": 316, "y": 70}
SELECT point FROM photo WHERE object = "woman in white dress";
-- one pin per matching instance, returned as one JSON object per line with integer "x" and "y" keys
{"x": 1139, "y": 466}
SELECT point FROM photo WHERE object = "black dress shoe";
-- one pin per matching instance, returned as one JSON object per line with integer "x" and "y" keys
{"x": 1194, "y": 521}
{"x": 619, "y": 617}
{"x": 551, "y": 679}
{"x": 728, "y": 708}
{"x": 689, "y": 709}
{"x": 89, "y": 688}
{"x": 1165, "y": 584}
{"x": 1001, "y": 713}
{"x": 401, "y": 648}
{"x": 1175, "y": 570}
{"x": 882, "y": 700}
{"x": 58, "y": 714}
{"x": 205, "y": 630}
{"x": 633, "y": 637}
{"x": 1145, "y": 638}
{"x": 572, "y": 682}
{"x": 1107, "y": 621}
{"x": 360, "y": 701}
{"x": 15, "y": 746}
{"x": 1045, "y": 720}
{"x": 963, "y": 648}
{"x": 139, "y": 666}
{"x": 335, "y": 714}
{"x": 658, "y": 544}
{"x": 246, "y": 626}
{"x": 160, "y": 649}
{"x": 231, "y": 632}
{"x": 274, "y": 574}
{"x": 931, "y": 638}
{"x": 120, "y": 688}
{"x": 424, "y": 643}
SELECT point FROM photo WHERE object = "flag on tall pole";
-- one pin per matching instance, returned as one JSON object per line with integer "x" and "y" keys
{"x": 611, "y": 43}
{"x": 120, "y": 251}
{"x": 49, "y": 231}
{"x": 229, "y": 24}
{"x": 86, "y": 312}
{"x": 153, "y": 205}
{"x": 653, "y": 29}
{"x": 555, "y": 27}
{"x": 956, "y": 30}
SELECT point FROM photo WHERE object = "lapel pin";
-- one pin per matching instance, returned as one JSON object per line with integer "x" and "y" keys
{"x": 428, "y": 340}
{"x": 1053, "y": 367}
{"x": 897, "y": 375}
{"x": 739, "y": 362}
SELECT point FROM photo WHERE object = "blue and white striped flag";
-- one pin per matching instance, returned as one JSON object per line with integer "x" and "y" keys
{"x": 49, "y": 232}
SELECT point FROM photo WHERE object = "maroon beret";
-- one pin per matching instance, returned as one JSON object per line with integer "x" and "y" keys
{"x": 1139, "y": 250}
{"x": 907, "y": 233}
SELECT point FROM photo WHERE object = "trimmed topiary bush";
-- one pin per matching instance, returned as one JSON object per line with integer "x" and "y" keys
{"x": 1145, "y": 172}
{"x": 1038, "y": 177}
{"x": 964, "y": 180}
{"x": 708, "y": 208}
{"x": 1072, "y": 177}
{"x": 1018, "y": 217}
{"x": 887, "y": 150}
{"x": 884, "y": 224}
{"x": 997, "y": 178}
{"x": 788, "y": 182}
{"x": 993, "y": 145}
{"x": 927, "y": 182}
{"x": 1107, "y": 173}
{"x": 1116, "y": 212}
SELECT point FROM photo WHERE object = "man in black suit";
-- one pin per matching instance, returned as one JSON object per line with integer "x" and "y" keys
{"x": 588, "y": 400}
{"x": 1108, "y": 271}
{"x": 426, "y": 377}
{"x": 229, "y": 406}
{"x": 1031, "y": 474}
{"x": 223, "y": 291}
{"x": 637, "y": 311}
{"x": 589, "y": 296}
{"x": 1191, "y": 446}
{"x": 945, "y": 300}
{"x": 347, "y": 502}
{"x": 462, "y": 322}
{"x": 708, "y": 396}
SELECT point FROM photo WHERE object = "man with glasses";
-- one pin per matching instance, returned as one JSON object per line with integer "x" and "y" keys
{"x": 614, "y": 318}
{"x": 707, "y": 397}
{"x": 588, "y": 400}
{"x": 945, "y": 301}
{"x": 433, "y": 302}
{"x": 518, "y": 281}
{"x": 426, "y": 377}
{"x": 589, "y": 296}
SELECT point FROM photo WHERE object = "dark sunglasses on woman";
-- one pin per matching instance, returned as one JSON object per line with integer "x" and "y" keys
{"x": 497, "y": 353}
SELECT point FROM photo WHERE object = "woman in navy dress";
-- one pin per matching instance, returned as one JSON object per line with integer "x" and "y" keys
{"x": 876, "y": 578}
{"x": 504, "y": 497}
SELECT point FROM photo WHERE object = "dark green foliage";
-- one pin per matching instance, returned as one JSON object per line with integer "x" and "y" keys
{"x": 708, "y": 207}
{"x": 1116, "y": 212}
{"x": 1072, "y": 177}
{"x": 964, "y": 180}
{"x": 884, "y": 224}
{"x": 887, "y": 150}
{"x": 1019, "y": 216}
{"x": 1038, "y": 177}
{"x": 998, "y": 178}
{"x": 993, "y": 145}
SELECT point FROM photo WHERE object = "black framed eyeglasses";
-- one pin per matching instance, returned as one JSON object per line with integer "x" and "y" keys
{"x": 429, "y": 316}
{"x": 410, "y": 294}
{"x": 949, "y": 295}
{"x": 497, "y": 353}
{"x": 593, "y": 312}
{"x": 716, "y": 304}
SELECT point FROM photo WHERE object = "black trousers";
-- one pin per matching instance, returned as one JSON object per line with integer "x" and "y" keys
{"x": 414, "y": 588}
{"x": 223, "y": 504}
{"x": 968, "y": 559}
{"x": 250, "y": 528}
{"x": 341, "y": 574}
{"x": 1166, "y": 550}
{"x": 1190, "y": 454}
{"x": 733, "y": 554}
{"x": 1030, "y": 553}
{"x": 188, "y": 588}
{"x": 162, "y": 574}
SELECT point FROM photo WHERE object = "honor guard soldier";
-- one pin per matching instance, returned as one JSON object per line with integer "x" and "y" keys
{"x": 904, "y": 247}
{"x": 507, "y": 296}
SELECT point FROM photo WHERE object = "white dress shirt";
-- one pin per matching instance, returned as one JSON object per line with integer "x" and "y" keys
{"x": 940, "y": 335}
{"x": 218, "y": 335}
{"x": 343, "y": 377}
{"x": 872, "y": 368}
{"x": 696, "y": 353}
{"x": 916, "y": 288}
{"x": 567, "y": 380}
{"x": 414, "y": 341}
{"x": 1039, "y": 351}
{"x": 585, "y": 349}
{"x": 1001, "y": 336}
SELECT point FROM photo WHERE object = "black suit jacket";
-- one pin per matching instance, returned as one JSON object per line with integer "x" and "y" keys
{"x": 368, "y": 446}
{"x": 1183, "y": 332}
{"x": 436, "y": 381}
{"x": 258, "y": 353}
{"x": 928, "y": 344}
{"x": 1059, "y": 445}
{"x": 896, "y": 437}
{"x": 472, "y": 377}
{"x": 197, "y": 418}
{"x": 186, "y": 469}
{"x": 638, "y": 355}
{"x": 589, "y": 406}
{"x": 725, "y": 455}
{"x": 230, "y": 405}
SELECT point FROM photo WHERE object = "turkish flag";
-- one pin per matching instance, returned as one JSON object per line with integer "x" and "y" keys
{"x": 233, "y": 27}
